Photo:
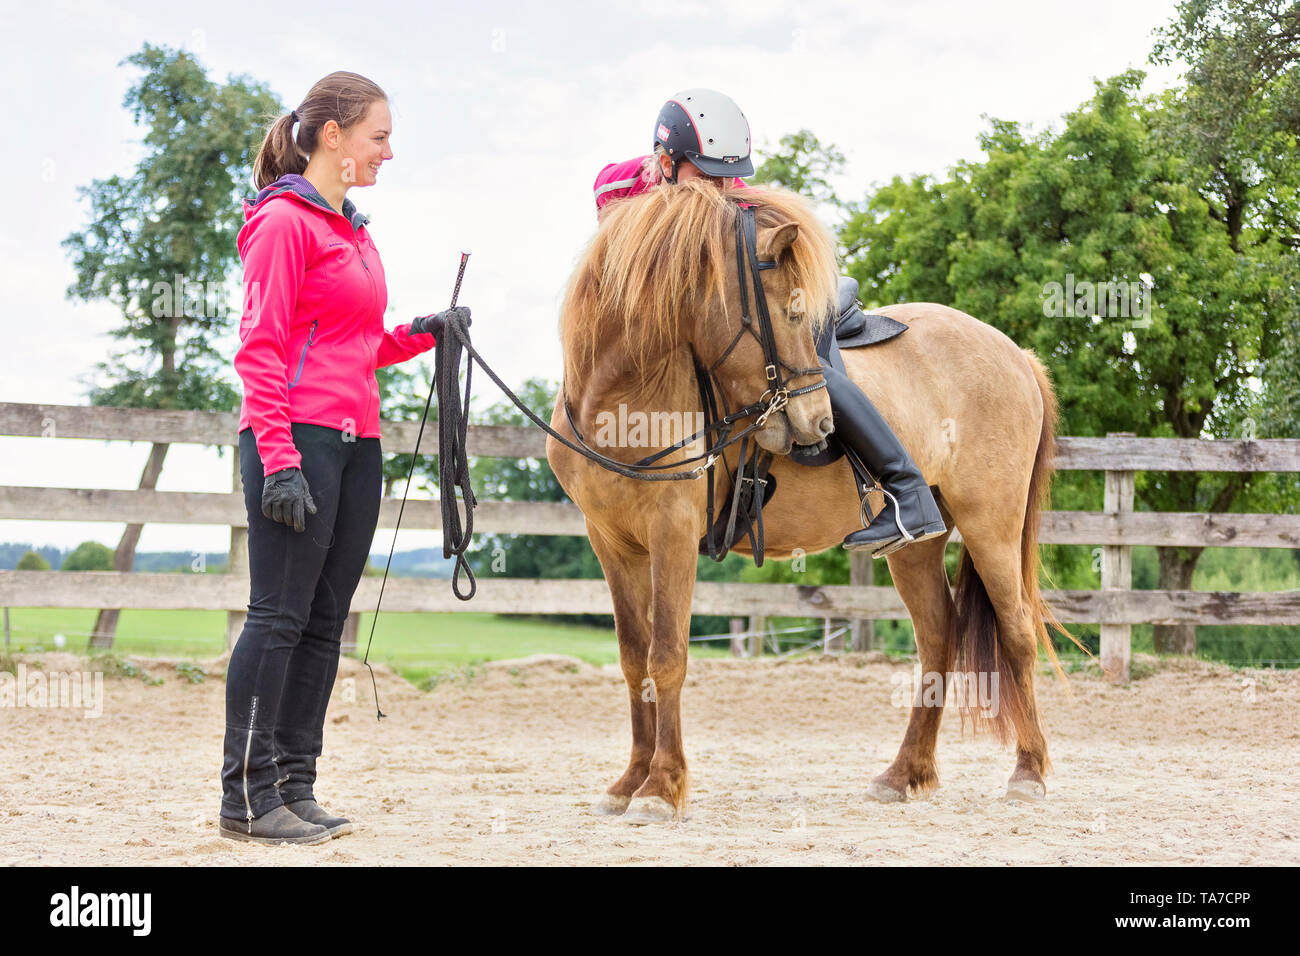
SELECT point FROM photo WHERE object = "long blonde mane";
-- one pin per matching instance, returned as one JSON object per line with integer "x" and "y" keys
{"x": 662, "y": 255}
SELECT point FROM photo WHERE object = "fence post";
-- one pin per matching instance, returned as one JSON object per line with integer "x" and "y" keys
{"x": 348, "y": 641}
{"x": 861, "y": 573}
{"x": 1117, "y": 575}
{"x": 238, "y": 563}
{"x": 832, "y": 643}
{"x": 757, "y": 631}
{"x": 737, "y": 642}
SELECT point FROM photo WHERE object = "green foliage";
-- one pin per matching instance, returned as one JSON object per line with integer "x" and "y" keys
{"x": 191, "y": 672}
{"x": 403, "y": 392}
{"x": 462, "y": 676}
{"x": 89, "y": 556}
{"x": 528, "y": 479}
{"x": 113, "y": 666}
{"x": 1190, "y": 345}
{"x": 1099, "y": 202}
{"x": 803, "y": 164}
{"x": 31, "y": 561}
{"x": 1238, "y": 120}
{"x": 175, "y": 216}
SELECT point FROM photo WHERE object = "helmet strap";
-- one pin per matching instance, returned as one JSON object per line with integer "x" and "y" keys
{"x": 671, "y": 180}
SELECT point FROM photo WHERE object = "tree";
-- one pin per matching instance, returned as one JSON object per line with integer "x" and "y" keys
{"x": 403, "y": 390}
{"x": 89, "y": 556}
{"x": 31, "y": 561}
{"x": 160, "y": 245}
{"x": 1025, "y": 239}
{"x": 803, "y": 164}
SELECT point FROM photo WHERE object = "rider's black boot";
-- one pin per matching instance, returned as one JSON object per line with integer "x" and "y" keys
{"x": 910, "y": 513}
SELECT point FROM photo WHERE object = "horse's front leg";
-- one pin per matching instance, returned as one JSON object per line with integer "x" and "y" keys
{"x": 628, "y": 576}
{"x": 672, "y": 574}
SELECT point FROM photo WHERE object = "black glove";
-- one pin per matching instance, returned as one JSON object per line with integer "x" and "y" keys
{"x": 437, "y": 322}
{"x": 284, "y": 496}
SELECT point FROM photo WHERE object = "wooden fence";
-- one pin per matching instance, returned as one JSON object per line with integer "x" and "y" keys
{"x": 1116, "y": 529}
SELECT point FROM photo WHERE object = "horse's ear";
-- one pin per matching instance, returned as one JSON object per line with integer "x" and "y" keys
{"x": 773, "y": 242}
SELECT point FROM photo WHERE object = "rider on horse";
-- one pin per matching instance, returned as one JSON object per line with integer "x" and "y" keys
{"x": 703, "y": 134}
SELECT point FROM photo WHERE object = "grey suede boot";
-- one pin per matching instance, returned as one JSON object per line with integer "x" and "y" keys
{"x": 310, "y": 811}
{"x": 273, "y": 828}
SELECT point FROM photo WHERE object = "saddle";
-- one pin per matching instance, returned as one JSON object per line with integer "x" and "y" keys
{"x": 853, "y": 329}
{"x": 857, "y": 329}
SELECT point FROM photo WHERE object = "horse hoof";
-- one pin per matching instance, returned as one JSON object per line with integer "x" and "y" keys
{"x": 1031, "y": 791}
{"x": 884, "y": 793}
{"x": 610, "y": 805}
{"x": 643, "y": 810}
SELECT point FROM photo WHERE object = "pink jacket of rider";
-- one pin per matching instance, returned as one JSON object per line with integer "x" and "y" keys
{"x": 312, "y": 331}
{"x": 627, "y": 179}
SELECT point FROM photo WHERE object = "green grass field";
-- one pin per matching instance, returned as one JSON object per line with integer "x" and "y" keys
{"x": 421, "y": 647}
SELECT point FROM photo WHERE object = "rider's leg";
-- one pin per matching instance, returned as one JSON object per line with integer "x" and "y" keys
{"x": 910, "y": 513}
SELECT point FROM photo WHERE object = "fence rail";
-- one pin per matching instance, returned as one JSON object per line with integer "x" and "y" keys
{"x": 215, "y": 591}
{"x": 1115, "y": 530}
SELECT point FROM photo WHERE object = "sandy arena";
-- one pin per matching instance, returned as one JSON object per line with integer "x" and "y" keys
{"x": 1194, "y": 764}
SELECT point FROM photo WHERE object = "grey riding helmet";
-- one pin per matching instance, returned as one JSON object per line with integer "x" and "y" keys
{"x": 708, "y": 129}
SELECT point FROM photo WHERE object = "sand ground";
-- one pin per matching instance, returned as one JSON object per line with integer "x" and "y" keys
{"x": 1194, "y": 764}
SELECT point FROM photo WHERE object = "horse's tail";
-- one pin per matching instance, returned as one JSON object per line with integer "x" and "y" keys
{"x": 1039, "y": 484}
{"x": 975, "y": 621}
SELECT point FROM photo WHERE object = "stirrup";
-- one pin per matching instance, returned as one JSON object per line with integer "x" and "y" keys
{"x": 908, "y": 537}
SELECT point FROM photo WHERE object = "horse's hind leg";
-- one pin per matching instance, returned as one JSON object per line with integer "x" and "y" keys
{"x": 922, "y": 582}
{"x": 997, "y": 559}
{"x": 628, "y": 575}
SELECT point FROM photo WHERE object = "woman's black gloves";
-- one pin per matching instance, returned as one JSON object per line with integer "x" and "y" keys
{"x": 285, "y": 496}
{"x": 437, "y": 322}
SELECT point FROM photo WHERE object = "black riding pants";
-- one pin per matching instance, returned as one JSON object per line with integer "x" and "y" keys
{"x": 282, "y": 668}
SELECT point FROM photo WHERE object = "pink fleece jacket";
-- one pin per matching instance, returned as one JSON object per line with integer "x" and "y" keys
{"x": 627, "y": 179}
{"x": 312, "y": 331}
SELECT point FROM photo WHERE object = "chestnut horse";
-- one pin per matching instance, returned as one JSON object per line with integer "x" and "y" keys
{"x": 659, "y": 283}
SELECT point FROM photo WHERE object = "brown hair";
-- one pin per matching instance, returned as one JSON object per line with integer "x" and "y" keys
{"x": 342, "y": 96}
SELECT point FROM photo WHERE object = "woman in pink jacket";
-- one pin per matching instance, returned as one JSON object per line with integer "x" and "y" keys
{"x": 312, "y": 335}
{"x": 701, "y": 133}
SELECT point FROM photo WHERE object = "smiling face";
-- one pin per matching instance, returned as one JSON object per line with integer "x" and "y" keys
{"x": 357, "y": 153}
{"x": 366, "y": 144}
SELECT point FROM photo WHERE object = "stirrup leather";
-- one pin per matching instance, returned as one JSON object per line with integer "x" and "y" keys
{"x": 868, "y": 483}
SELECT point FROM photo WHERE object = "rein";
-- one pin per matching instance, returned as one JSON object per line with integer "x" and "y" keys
{"x": 452, "y": 423}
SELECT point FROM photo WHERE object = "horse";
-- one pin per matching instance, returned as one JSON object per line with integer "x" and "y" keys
{"x": 656, "y": 290}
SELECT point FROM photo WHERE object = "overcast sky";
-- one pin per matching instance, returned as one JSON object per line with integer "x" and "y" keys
{"x": 503, "y": 114}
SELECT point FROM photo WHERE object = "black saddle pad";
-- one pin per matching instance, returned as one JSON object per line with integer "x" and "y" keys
{"x": 858, "y": 329}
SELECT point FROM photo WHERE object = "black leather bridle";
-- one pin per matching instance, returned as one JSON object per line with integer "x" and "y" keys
{"x": 748, "y": 490}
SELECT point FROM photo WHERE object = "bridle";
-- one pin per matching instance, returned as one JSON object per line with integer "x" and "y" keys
{"x": 746, "y": 493}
